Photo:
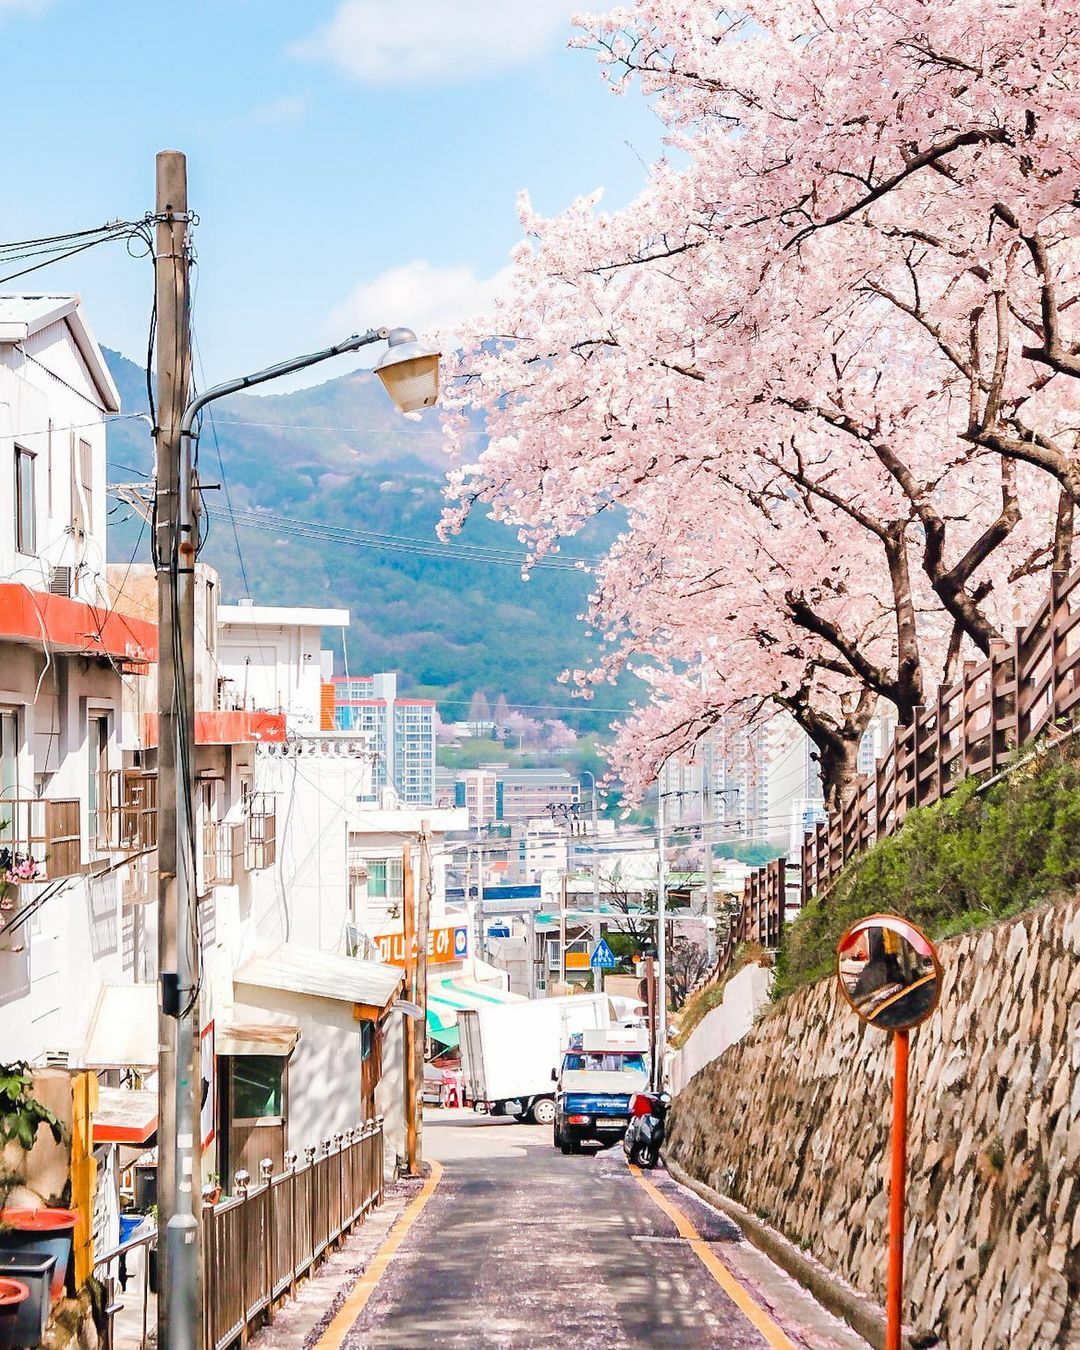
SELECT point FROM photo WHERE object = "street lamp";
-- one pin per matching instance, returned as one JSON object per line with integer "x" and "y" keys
{"x": 410, "y": 370}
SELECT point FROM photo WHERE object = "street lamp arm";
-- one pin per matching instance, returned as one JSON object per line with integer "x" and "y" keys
{"x": 295, "y": 363}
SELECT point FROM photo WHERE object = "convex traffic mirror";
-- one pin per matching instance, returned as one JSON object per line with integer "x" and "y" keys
{"x": 889, "y": 972}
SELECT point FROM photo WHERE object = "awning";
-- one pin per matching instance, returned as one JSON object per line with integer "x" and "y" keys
{"x": 125, "y": 1116}
{"x": 305, "y": 970}
{"x": 123, "y": 1031}
{"x": 256, "y": 1038}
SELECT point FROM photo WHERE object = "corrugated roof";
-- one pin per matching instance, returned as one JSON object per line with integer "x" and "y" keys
{"x": 305, "y": 970}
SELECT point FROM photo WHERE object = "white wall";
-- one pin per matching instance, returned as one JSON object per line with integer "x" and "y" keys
{"x": 324, "y": 1070}
{"x": 52, "y": 965}
{"x": 744, "y": 996}
{"x": 29, "y": 399}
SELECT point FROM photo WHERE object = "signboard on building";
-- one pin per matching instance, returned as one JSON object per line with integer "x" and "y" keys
{"x": 446, "y": 943}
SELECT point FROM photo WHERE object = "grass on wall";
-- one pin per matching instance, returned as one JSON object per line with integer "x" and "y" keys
{"x": 969, "y": 860}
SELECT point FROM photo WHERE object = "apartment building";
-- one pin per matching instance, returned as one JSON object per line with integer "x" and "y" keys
{"x": 757, "y": 784}
{"x": 65, "y": 655}
{"x": 401, "y": 730}
{"x": 497, "y": 794}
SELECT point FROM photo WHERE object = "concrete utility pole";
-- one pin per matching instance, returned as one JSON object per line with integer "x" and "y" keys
{"x": 661, "y": 942}
{"x": 413, "y": 1090}
{"x": 176, "y": 544}
{"x": 562, "y": 929}
{"x": 710, "y": 897}
{"x": 597, "y": 974}
{"x": 423, "y": 925}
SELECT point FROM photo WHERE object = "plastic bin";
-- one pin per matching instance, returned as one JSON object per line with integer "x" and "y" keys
{"x": 35, "y": 1270}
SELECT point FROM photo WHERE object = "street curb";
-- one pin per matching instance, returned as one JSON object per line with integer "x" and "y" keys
{"x": 860, "y": 1313}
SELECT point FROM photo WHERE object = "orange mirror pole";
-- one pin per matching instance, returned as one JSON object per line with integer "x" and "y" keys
{"x": 894, "y": 1298}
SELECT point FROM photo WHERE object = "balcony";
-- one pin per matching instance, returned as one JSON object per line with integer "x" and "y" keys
{"x": 49, "y": 832}
{"x": 260, "y": 833}
{"x": 126, "y": 817}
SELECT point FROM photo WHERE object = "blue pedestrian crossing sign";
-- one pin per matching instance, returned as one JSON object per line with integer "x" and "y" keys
{"x": 603, "y": 958}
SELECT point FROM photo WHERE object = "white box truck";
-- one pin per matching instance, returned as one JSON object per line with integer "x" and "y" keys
{"x": 511, "y": 1052}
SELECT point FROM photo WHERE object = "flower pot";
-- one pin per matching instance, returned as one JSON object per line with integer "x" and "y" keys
{"x": 12, "y": 1294}
{"x": 35, "y": 1270}
{"x": 40, "y": 1230}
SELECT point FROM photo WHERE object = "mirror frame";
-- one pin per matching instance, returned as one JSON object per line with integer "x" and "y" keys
{"x": 903, "y": 928}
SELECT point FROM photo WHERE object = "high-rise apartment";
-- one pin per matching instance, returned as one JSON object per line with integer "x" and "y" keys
{"x": 401, "y": 732}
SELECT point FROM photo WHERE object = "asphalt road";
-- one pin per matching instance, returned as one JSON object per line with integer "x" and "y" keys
{"x": 519, "y": 1246}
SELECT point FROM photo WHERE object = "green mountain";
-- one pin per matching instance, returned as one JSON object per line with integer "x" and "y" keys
{"x": 338, "y": 457}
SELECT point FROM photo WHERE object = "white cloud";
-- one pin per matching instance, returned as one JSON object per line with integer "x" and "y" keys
{"x": 407, "y": 41}
{"x": 429, "y": 299}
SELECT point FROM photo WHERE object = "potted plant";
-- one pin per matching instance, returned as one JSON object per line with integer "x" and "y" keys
{"x": 211, "y": 1191}
{"x": 15, "y": 869}
{"x": 42, "y": 1228}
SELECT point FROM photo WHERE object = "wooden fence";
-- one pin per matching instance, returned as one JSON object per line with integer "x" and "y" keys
{"x": 266, "y": 1237}
{"x": 1023, "y": 688}
{"x": 260, "y": 1241}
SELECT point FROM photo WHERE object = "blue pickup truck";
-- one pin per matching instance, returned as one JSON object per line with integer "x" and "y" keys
{"x": 600, "y": 1072}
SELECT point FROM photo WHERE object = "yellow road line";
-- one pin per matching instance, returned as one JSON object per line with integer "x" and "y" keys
{"x": 749, "y": 1307}
{"x": 334, "y": 1335}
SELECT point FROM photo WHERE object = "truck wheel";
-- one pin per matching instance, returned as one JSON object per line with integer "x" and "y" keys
{"x": 543, "y": 1111}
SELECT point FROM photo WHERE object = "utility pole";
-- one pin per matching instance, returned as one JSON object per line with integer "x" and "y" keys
{"x": 661, "y": 942}
{"x": 423, "y": 924}
{"x": 562, "y": 930}
{"x": 180, "y": 1322}
{"x": 413, "y": 1090}
{"x": 597, "y": 932}
{"x": 706, "y": 839}
{"x": 480, "y": 930}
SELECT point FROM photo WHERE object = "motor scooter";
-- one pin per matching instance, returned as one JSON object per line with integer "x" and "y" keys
{"x": 646, "y": 1130}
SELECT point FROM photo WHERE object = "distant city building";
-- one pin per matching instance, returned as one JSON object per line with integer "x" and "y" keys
{"x": 757, "y": 785}
{"x": 401, "y": 732}
{"x": 497, "y": 794}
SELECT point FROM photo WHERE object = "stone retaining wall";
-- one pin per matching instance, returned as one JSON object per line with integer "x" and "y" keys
{"x": 793, "y": 1122}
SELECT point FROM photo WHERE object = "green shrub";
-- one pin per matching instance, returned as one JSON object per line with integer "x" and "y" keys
{"x": 969, "y": 860}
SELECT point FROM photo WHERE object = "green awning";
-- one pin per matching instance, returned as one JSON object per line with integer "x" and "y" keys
{"x": 447, "y": 1036}
{"x": 447, "y": 998}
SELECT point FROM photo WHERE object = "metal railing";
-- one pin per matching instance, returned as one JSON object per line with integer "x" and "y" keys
{"x": 260, "y": 833}
{"x": 261, "y": 1241}
{"x": 218, "y": 854}
{"x": 49, "y": 832}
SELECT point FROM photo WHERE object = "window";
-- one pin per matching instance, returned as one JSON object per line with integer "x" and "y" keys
{"x": 25, "y": 502}
{"x": 86, "y": 478}
{"x": 97, "y": 763}
{"x": 9, "y": 756}
{"x": 258, "y": 1089}
{"x": 385, "y": 880}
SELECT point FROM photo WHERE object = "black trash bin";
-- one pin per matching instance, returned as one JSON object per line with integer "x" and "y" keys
{"x": 35, "y": 1270}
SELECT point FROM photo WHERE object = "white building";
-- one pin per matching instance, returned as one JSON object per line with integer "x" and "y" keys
{"x": 63, "y": 657}
{"x": 401, "y": 730}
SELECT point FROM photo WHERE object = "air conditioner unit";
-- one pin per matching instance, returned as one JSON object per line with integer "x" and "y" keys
{"x": 60, "y": 580}
{"x": 57, "y": 1059}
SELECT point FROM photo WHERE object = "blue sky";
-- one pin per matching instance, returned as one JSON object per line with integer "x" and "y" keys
{"x": 344, "y": 155}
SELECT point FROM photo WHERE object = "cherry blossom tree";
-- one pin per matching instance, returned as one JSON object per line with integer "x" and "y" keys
{"x": 823, "y": 365}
